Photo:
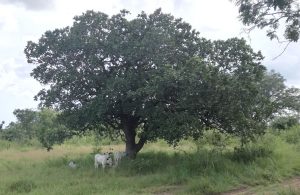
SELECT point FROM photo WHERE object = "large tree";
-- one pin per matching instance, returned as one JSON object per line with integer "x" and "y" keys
{"x": 270, "y": 14}
{"x": 150, "y": 77}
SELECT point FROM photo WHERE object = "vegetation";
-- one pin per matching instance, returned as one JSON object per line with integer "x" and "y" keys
{"x": 283, "y": 123}
{"x": 190, "y": 168}
{"x": 283, "y": 101}
{"x": 1, "y": 125}
{"x": 270, "y": 14}
{"x": 36, "y": 125}
{"x": 152, "y": 78}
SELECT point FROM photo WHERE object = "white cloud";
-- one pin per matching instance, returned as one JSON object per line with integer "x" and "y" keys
{"x": 14, "y": 84}
{"x": 7, "y": 19}
{"x": 15, "y": 91}
{"x": 30, "y": 4}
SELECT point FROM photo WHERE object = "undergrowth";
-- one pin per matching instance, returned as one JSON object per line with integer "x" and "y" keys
{"x": 190, "y": 168}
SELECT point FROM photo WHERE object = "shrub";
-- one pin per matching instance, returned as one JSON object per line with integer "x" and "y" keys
{"x": 292, "y": 135}
{"x": 262, "y": 147}
{"x": 283, "y": 123}
{"x": 247, "y": 154}
{"x": 22, "y": 186}
{"x": 215, "y": 139}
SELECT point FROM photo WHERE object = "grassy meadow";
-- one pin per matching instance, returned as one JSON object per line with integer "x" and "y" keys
{"x": 202, "y": 167}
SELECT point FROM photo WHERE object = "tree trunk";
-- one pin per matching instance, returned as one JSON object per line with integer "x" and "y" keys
{"x": 132, "y": 148}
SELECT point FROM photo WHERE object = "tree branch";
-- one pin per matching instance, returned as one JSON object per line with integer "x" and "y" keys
{"x": 282, "y": 51}
{"x": 141, "y": 143}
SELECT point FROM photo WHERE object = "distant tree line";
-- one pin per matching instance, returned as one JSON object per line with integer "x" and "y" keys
{"x": 41, "y": 125}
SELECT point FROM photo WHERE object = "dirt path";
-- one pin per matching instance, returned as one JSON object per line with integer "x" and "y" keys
{"x": 289, "y": 184}
{"x": 295, "y": 182}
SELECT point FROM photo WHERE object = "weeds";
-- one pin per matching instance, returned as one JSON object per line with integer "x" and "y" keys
{"x": 292, "y": 135}
{"x": 189, "y": 169}
{"x": 289, "y": 191}
{"x": 22, "y": 186}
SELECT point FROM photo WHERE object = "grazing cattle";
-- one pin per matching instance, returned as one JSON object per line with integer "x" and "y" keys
{"x": 72, "y": 165}
{"x": 118, "y": 156}
{"x": 103, "y": 159}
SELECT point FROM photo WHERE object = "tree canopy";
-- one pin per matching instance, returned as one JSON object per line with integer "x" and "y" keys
{"x": 147, "y": 78}
{"x": 23, "y": 129}
{"x": 25, "y": 120}
{"x": 281, "y": 100}
{"x": 49, "y": 130}
{"x": 270, "y": 14}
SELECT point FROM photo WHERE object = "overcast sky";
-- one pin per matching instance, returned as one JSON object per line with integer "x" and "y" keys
{"x": 24, "y": 20}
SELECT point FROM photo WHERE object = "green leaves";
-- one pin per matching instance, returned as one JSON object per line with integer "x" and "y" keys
{"x": 107, "y": 60}
{"x": 153, "y": 73}
{"x": 49, "y": 130}
{"x": 42, "y": 124}
{"x": 269, "y": 14}
{"x": 1, "y": 125}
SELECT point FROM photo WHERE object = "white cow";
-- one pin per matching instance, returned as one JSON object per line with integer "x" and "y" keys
{"x": 103, "y": 159}
{"x": 72, "y": 165}
{"x": 118, "y": 156}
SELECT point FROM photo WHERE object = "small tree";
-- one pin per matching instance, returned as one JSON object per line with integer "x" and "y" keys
{"x": 49, "y": 130}
{"x": 25, "y": 121}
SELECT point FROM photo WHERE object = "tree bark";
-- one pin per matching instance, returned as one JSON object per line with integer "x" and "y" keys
{"x": 132, "y": 148}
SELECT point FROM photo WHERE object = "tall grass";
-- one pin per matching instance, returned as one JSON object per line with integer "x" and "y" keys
{"x": 187, "y": 169}
{"x": 23, "y": 146}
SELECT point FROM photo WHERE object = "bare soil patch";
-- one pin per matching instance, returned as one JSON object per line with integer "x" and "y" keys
{"x": 165, "y": 190}
{"x": 293, "y": 183}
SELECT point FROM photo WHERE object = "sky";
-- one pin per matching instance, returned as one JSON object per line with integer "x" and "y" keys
{"x": 27, "y": 20}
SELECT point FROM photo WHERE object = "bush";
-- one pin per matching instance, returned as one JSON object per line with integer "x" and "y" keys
{"x": 215, "y": 139}
{"x": 283, "y": 123}
{"x": 12, "y": 134}
{"x": 248, "y": 154}
{"x": 22, "y": 186}
{"x": 292, "y": 135}
{"x": 19, "y": 145}
{"x": 262, "y": 147}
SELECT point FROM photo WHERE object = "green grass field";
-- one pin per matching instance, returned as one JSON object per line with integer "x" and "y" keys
{"x": 191, "y": 168}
